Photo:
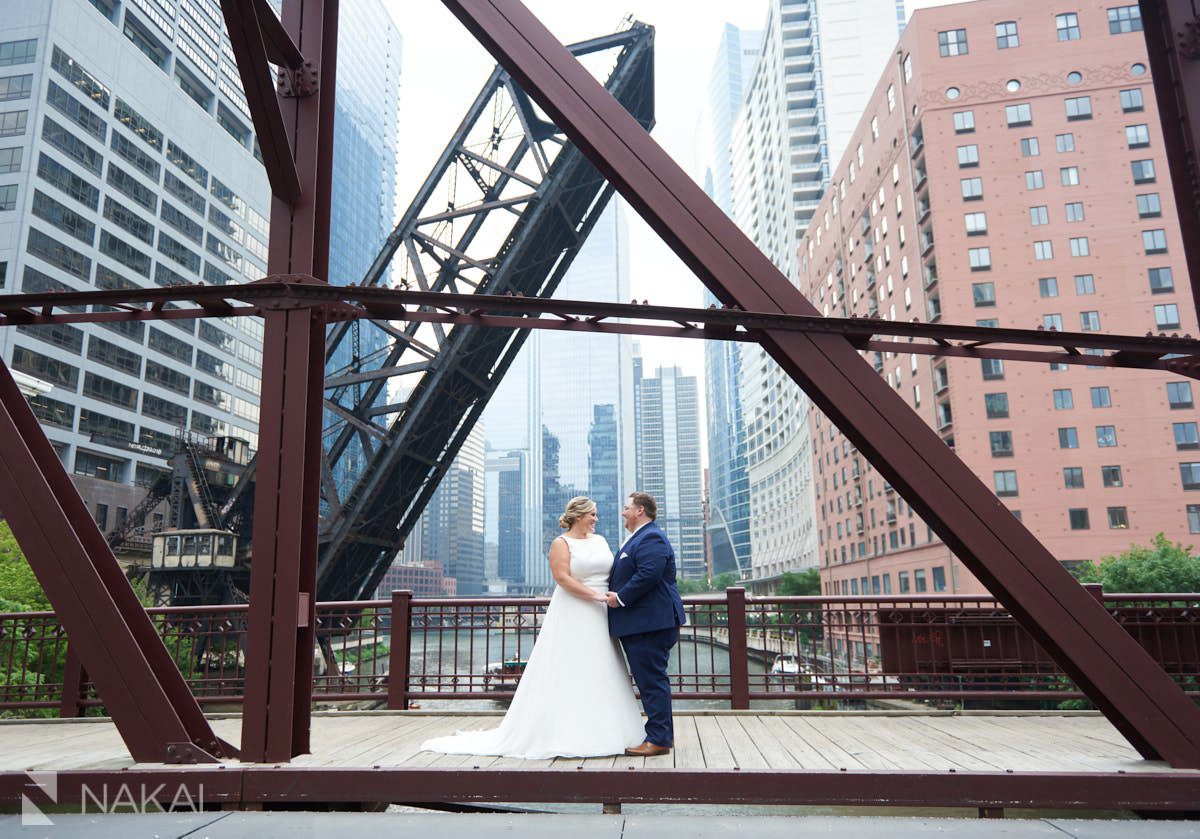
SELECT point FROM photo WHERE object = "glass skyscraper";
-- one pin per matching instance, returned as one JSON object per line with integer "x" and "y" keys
{"x": 565, "y": 410}
{"x": 728, "y": 485}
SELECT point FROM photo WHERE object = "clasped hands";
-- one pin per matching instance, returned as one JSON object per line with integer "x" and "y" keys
{"x": 610, "y": 597}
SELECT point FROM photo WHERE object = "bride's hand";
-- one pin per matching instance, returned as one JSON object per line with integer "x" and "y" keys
{"x": 599, "y": 598}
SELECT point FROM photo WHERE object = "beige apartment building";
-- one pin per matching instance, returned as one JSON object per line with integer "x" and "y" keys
{"x": 1010, "y": 171}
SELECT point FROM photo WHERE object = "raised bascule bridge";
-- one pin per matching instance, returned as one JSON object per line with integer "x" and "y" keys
{"x": 468, "y": 271}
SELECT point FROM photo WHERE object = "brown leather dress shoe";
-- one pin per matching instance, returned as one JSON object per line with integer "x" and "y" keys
{"x": 648, "y": 749}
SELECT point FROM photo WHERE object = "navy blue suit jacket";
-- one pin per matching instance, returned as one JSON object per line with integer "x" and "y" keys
{"x": 643, "y": 576}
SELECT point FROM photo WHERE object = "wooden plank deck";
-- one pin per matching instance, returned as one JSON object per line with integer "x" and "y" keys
{"x": 722, "y": 740}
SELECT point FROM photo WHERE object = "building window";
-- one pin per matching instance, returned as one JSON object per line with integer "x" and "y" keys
{"x": 13, "y": 88}
{"x": 1089, "y": 321}
{"x": 976, "y": 223}
{"x": 1155, "y": 241}
{"x": 1005, "y": 483}
{"x": 1124, "y": 19}
{"x": 1048, "y": 287}
{"x": 1064, "y": 142}
{"x": 1143, "y": 171}
{"x": 1006, "y": 35}
{"x": 1067, "y": 26}
{"x": 1161, "y": 280}
{"x": 1166, "y": 316}
{"x": 1063, "y": 399}
{"x": 984, "y": 294}
{"x": 1111, "y": 476}
{"x": 18, "y": 52}
{"x": 1079, "y": 246}
{"x": 908, "y": 67}
{"x": 1179, "y": 395}
{"x": 1034, "y": 180}
{"x": 972, "y": 189}
{"x": 1018, "y": 115}
{"x": 996, "y": 405}
{"x": 939, "y": 578}
{"x": 968, "y": 156}
{"x": 1189, "y": 475}
{"x": 13, "y": 123}
{"x": 1106, "y": 436}
{"x": 1137, "y": 136}
{"x": 964, "y": 122}
{"x": 1149, "y": 205}
{"x": 952, "y": 42}
{"x": 1078, "y": 516}
{"x": 1073, "y": 477}
{"x": 1068, "y": 438}
{"x": 1001, "y": 443}
{"x": 1079, "y": 107}
{"x": 1030, "y": 147}
{"x": 1069, "y": 175}
{"x": 101, "y": 467}
{"x": 1131, "y": 100}
{"x": 993, "y": 368}
{"x": 1085, "y": 284}
{"x": 1038, "y": 216}
{"x": 151, "y": 47}
{"x": 919, "y": 580}
{"x": 1043, "y": 250}
{"x": 63, "y": 217}
{"x": 980, "y": 259}
{"x": 1193, "y": 516}
{"x": 1075, "y": 211}
{"x": 1186, "y": 435}
{"x": 1101, "y": 397}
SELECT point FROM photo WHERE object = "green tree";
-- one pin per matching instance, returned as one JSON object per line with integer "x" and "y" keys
{"x": 19, "y": 589}
{"x": 691, "y": 586}
{"x": 724, "y": 581}
{"x": 803, "y": 584}
{"x": 1163, "y": 566}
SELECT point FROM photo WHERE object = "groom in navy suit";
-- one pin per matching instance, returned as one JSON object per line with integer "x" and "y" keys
{"x": 645, "y": 613}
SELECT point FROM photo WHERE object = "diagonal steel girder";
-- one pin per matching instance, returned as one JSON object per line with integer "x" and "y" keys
{"x": 1113, "y": 670}
{"x": 150, "y": 703}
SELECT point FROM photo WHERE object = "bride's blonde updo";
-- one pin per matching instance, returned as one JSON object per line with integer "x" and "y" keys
{"x": 577, "y": 508}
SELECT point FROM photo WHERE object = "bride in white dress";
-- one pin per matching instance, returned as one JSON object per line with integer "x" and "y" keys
{"x": 575, "y": 698}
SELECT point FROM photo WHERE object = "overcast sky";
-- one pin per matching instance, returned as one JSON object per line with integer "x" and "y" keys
{"x": 444, "y": 67}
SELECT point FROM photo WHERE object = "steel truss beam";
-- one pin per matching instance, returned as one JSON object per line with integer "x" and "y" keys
{"x": 1108, "y": 665}
{"x": 147, "y": 697}
{"x": 297, "y": 124}
{"x": 1178, "y": 355}
{"x": 1172, "y": 29}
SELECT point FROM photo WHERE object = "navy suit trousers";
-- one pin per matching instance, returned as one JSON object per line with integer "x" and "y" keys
{"x": 648, "y": 654}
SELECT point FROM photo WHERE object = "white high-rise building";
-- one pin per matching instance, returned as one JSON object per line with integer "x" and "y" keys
{"x": 816, "y": 69}
{"x": 127, "y": 160}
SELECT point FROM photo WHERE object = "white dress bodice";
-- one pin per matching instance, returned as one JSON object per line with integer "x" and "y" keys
{"x": 591, "y": 561}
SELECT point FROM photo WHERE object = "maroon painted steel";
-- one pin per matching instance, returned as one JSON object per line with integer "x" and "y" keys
{"x": 1115, "y": 673}
{"x": 74, "y": 689}
{"x": 279, "y": 653}
{"x": 109, "y": 630}
{"x": 400, "y": 651}
{"x": 313, "y": 786}
{"x": 1172, "y": 29}
{"x": 246, "y": 24}
{"x": 739, "y": 660}
{"x": 1175, "y": 354}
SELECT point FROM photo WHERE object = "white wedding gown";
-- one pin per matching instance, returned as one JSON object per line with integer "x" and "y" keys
{"x": 575, "y": 698}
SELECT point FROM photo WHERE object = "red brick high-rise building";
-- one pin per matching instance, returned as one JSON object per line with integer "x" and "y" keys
{"x": 1010, "y": 171}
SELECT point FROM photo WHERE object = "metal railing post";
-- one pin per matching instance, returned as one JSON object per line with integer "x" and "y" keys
{"x": 739, "y": 658}
{"x": 398, "y": 654}
{"x": 74, "y": 682}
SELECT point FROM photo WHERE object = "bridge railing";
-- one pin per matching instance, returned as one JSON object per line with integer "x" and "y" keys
{"x": 734, "y": 649}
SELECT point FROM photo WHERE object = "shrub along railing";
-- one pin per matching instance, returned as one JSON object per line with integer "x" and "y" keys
{"x": 735, "y": 648}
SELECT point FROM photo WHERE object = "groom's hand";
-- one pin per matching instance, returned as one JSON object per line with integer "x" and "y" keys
{"x": 610, "y": 598}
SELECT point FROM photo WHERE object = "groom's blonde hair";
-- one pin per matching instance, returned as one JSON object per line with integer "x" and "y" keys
{"x": 577, "y": 508}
